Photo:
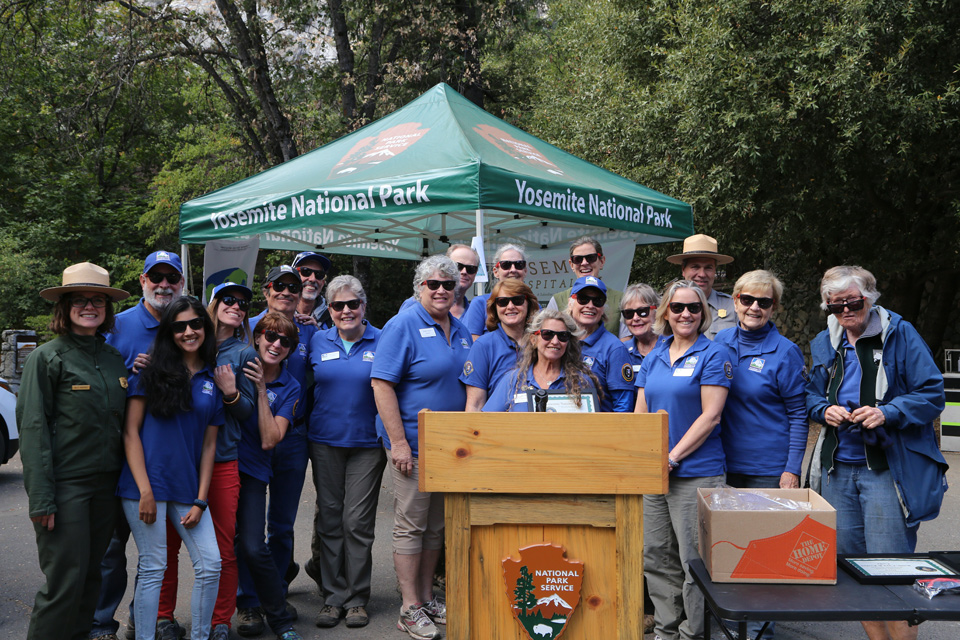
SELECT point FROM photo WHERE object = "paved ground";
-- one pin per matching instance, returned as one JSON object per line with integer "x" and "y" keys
{"x": 21, "y": 577}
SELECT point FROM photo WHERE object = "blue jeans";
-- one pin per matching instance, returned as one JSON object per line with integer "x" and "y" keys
{"x": 113, "y": 581}
{"x": 201, "y": 543}
{"x": 869, "y": 516}
{"x": 289, "y": 471}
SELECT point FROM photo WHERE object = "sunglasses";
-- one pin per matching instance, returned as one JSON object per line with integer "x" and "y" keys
{"x": 273, "y": 336}
{"x": 548, "y": 335}
{"x": 340, "y": 304}
{"x": 229, "y": 301}
{"x": 171, "y": 277}
{"x": 306, "y": 272}
{"x": 292, "y": 287}
{"x": 855, "y": 304}
{"x": 179, "y": 326}
{"x": 590, "y": 258}
{"x": 692, "y": 307}
{"x": 471, "y": 268}
{"x": 747, "y": 301}
{"x": 598, "y": 301}
{"x": 517, "y": 301}
{"x": 643, "y": 312}
{"x": 79, "y": 302}
{"x": 506, "y": 265}
{"x": 433, "y": 285}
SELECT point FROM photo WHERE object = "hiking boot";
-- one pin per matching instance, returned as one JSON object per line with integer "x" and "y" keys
{"x": 250, "y": 622}
{"x": 169, "y": 630}
{"x": 356, "y": 617}
{"x": 220, "y": 632}
{"x": 417, "y": 624}
{"x": 329, "y": 616}
{"x": 437, "y": 610}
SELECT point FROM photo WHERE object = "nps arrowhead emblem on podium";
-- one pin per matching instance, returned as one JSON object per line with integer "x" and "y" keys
{"x": 543, "y": 588}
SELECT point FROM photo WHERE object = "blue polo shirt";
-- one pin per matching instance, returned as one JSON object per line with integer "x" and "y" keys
{"x": 133, "y": 332}
{"x": 850, "y": 448}
{"x": 475, "y": 318}
{"x": 172, "y": 446}
{"x": 237, "y": 354}
{"x": 283, "y": 395}
{"x": 764, "y": 426}
{"x": 491, "y": 357}
{"x": 344, "y": 410}
{"x": 297, "y": 364}
{"x": 676, "y": 389}
{"x": 413, "y": 353}
{"x": 505, "y": 396}
{"x": 610, "y": 361}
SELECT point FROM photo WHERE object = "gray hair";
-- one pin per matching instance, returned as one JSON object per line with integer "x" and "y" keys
{"x": 661, "y": 326}
{"x": 346, "y": 282}
{"x": 643, "y": 292}
{"x": 839, "y": 279}
{"x": 430, "y": 265}
{"x": 590, "y": 240}
{"x": 502, "y": 249}
{"x": 454, "y": 247}
{"x": 554, "y": 314}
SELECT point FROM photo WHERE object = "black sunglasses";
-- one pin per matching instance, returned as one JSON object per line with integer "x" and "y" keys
{"x": 157, "y": 277}
{"x": 471, "y": 268}
{"x": 306, "y": 272}
{"x": 340, "y": 304}
{"x": 747, "y": 301}
{"x": 854, "y": 305}
{"x": 506, "y": 265}
{"x": 229, "y": 301}
{"x": 503, "y": 301}
{"x": 692, "y": 307}
{"x": 590, "y": 258}
{"x": 598, "y": 301}
{"x": 643, "y": 312}
{"x": 548, "y": 335}
{"x": 292, "y": 287}
{"x": 273, "y": 336}
{"x": 179, "y": 326}
{"x": 433, "y": 285}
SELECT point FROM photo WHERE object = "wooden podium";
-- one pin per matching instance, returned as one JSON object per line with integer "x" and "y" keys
{"x": 516, "y": 479}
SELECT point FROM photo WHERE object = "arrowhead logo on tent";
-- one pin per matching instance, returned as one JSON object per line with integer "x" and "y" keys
{"x": 516, "y": 149}
{"x": 543, "y": 588}
{"x": 374, "y": 150}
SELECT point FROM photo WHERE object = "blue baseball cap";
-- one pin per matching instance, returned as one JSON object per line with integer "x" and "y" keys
{"x": 221, "y": 288}
{"x": 163, "y": 257}
{"x": 588, "y": 281}
{"x": 310, "y": 255}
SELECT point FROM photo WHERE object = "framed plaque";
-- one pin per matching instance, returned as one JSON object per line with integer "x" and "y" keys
{"x": 559, "y": 401}
{"x": 897, "y": 568}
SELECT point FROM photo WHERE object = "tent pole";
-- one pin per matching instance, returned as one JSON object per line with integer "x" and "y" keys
{"x": 478, "y": 286}
{"x": 185, "y": 259}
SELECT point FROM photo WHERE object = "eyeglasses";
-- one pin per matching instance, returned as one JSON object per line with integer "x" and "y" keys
{"x": 506, "y": 265}
{"x": 340, "y": 304}
{"x": 854, "y": 305}
{"x": 692, "y": 307}
{"x": 79, "y": 302}
{"x": 747, "y": 301}
{"x": 471, "y": 268}
{"x": 306, "y": 272}
{"x": 590, "y": 258}
{"x": 179, "y": 326}
{"x": 598, "y": 301}
{"x": 172, "y": 277}
{"x": 548, "y": 335}
{"x": 229, "y": 301}
{"x": 517, "y": 301}
{"x": 643, "y": 312}
{"x": 433, "y": 285}
{"x": 292, "y": 287}
{"x": 273, "y": 336}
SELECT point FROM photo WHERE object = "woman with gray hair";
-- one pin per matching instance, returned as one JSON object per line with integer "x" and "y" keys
{"x": 345, "y": 454}
{"x": 638, "y": 308}
{"x": 509, "y": 261}
{"x": 421, "y": 355}
{"x": 688, "y": 376}
{"x": 876, "y": 390}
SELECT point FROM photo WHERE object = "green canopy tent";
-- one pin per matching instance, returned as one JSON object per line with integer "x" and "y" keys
{"x": 437, "y": 171}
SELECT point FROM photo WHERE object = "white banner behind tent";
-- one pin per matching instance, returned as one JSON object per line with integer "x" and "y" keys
{"x": 228, "y": 260}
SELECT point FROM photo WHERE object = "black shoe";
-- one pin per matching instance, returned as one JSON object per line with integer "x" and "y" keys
{"x": 292, "y": 612}
{"x": 293, "y": 570}
{"x": 313, "y": 570}
{"x": 169, "y": 630}
{"x": 131, "y": 631}
{"x": 250, "y": 622}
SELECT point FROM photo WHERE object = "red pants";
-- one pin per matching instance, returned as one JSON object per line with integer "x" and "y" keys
{"x": 222, "y": 497}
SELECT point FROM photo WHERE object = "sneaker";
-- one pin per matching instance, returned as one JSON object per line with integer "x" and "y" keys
{"x": 220, "y": 632}
{"x": 169, "y": 630}
{"x": 313, "y": 570}
{"x": 289, "y": 635}
{"x": 356, "y": 617}
{"x": 329, "y": 616}
{"x": 437, "y": 610}
{"x": 250, "y": 622}
{"x": 106, "y": 636}
{"x": 417, "y": 624}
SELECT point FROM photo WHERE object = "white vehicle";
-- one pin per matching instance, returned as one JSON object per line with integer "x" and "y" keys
{"x": 9, "y": 436}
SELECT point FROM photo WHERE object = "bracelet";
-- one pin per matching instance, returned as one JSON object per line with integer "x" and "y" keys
{"x": 200, "y": 503}
{"x": 234, "y": 398}
{"x": 672, "y": 463}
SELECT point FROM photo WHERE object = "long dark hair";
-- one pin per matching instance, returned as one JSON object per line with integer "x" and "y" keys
{"x": 166, "y": 380}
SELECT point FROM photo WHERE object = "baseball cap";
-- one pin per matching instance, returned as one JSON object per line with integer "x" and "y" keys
{"x": 310, "y": 255}
{"x": 162, "y": 257}
{"x": 588, "y": 281}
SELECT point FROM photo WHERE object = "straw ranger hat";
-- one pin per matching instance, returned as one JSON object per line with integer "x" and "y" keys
{"x": 699, "y": 246}
{"x": 84, "y": 277}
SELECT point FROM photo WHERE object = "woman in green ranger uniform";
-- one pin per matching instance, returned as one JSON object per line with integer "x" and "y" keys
{"x": 70, "y": 411}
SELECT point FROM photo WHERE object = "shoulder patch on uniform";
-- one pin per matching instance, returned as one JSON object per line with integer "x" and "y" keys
{"x": 627, "y": 372}
{"x": 467, "y": 368}
{"x": 728, "y": 370}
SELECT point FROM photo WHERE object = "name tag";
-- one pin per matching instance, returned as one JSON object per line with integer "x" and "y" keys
{"x": 520, "y": 398}
{"x": 429, "y": 332}
{"x": 80, "y": 387}
{"x": 333, "y": 355}
{"x": 682, "y": 373}
{"x": 636, "y": 368}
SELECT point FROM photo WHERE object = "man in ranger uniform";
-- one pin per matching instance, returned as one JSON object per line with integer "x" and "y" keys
{"x": 699, "y": 262}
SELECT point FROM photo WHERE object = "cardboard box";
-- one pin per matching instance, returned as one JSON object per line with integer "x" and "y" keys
{"x": 769, "y": 546}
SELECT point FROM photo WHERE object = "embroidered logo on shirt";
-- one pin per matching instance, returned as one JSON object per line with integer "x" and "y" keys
{"x": 467, "y": 368}
{"x": 303, "y": 349}
{"x": 756, "y": 364}
{"x": 690, "y": 362}
{"x": 588, "y": 360}
{"x": 464, "y": 343}
{"x": 368, "y": 356}
{"x": 207, "y": 388}
{"x": 627, "y": 373}
{"x": 728, "y": 370}
{"x": 271, "y": 396}
{"x": 877, "y": 356}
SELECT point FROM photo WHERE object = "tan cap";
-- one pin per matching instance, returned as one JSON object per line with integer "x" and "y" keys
{"x": 84, "y": 277}
{"x": 699, "y": 246}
